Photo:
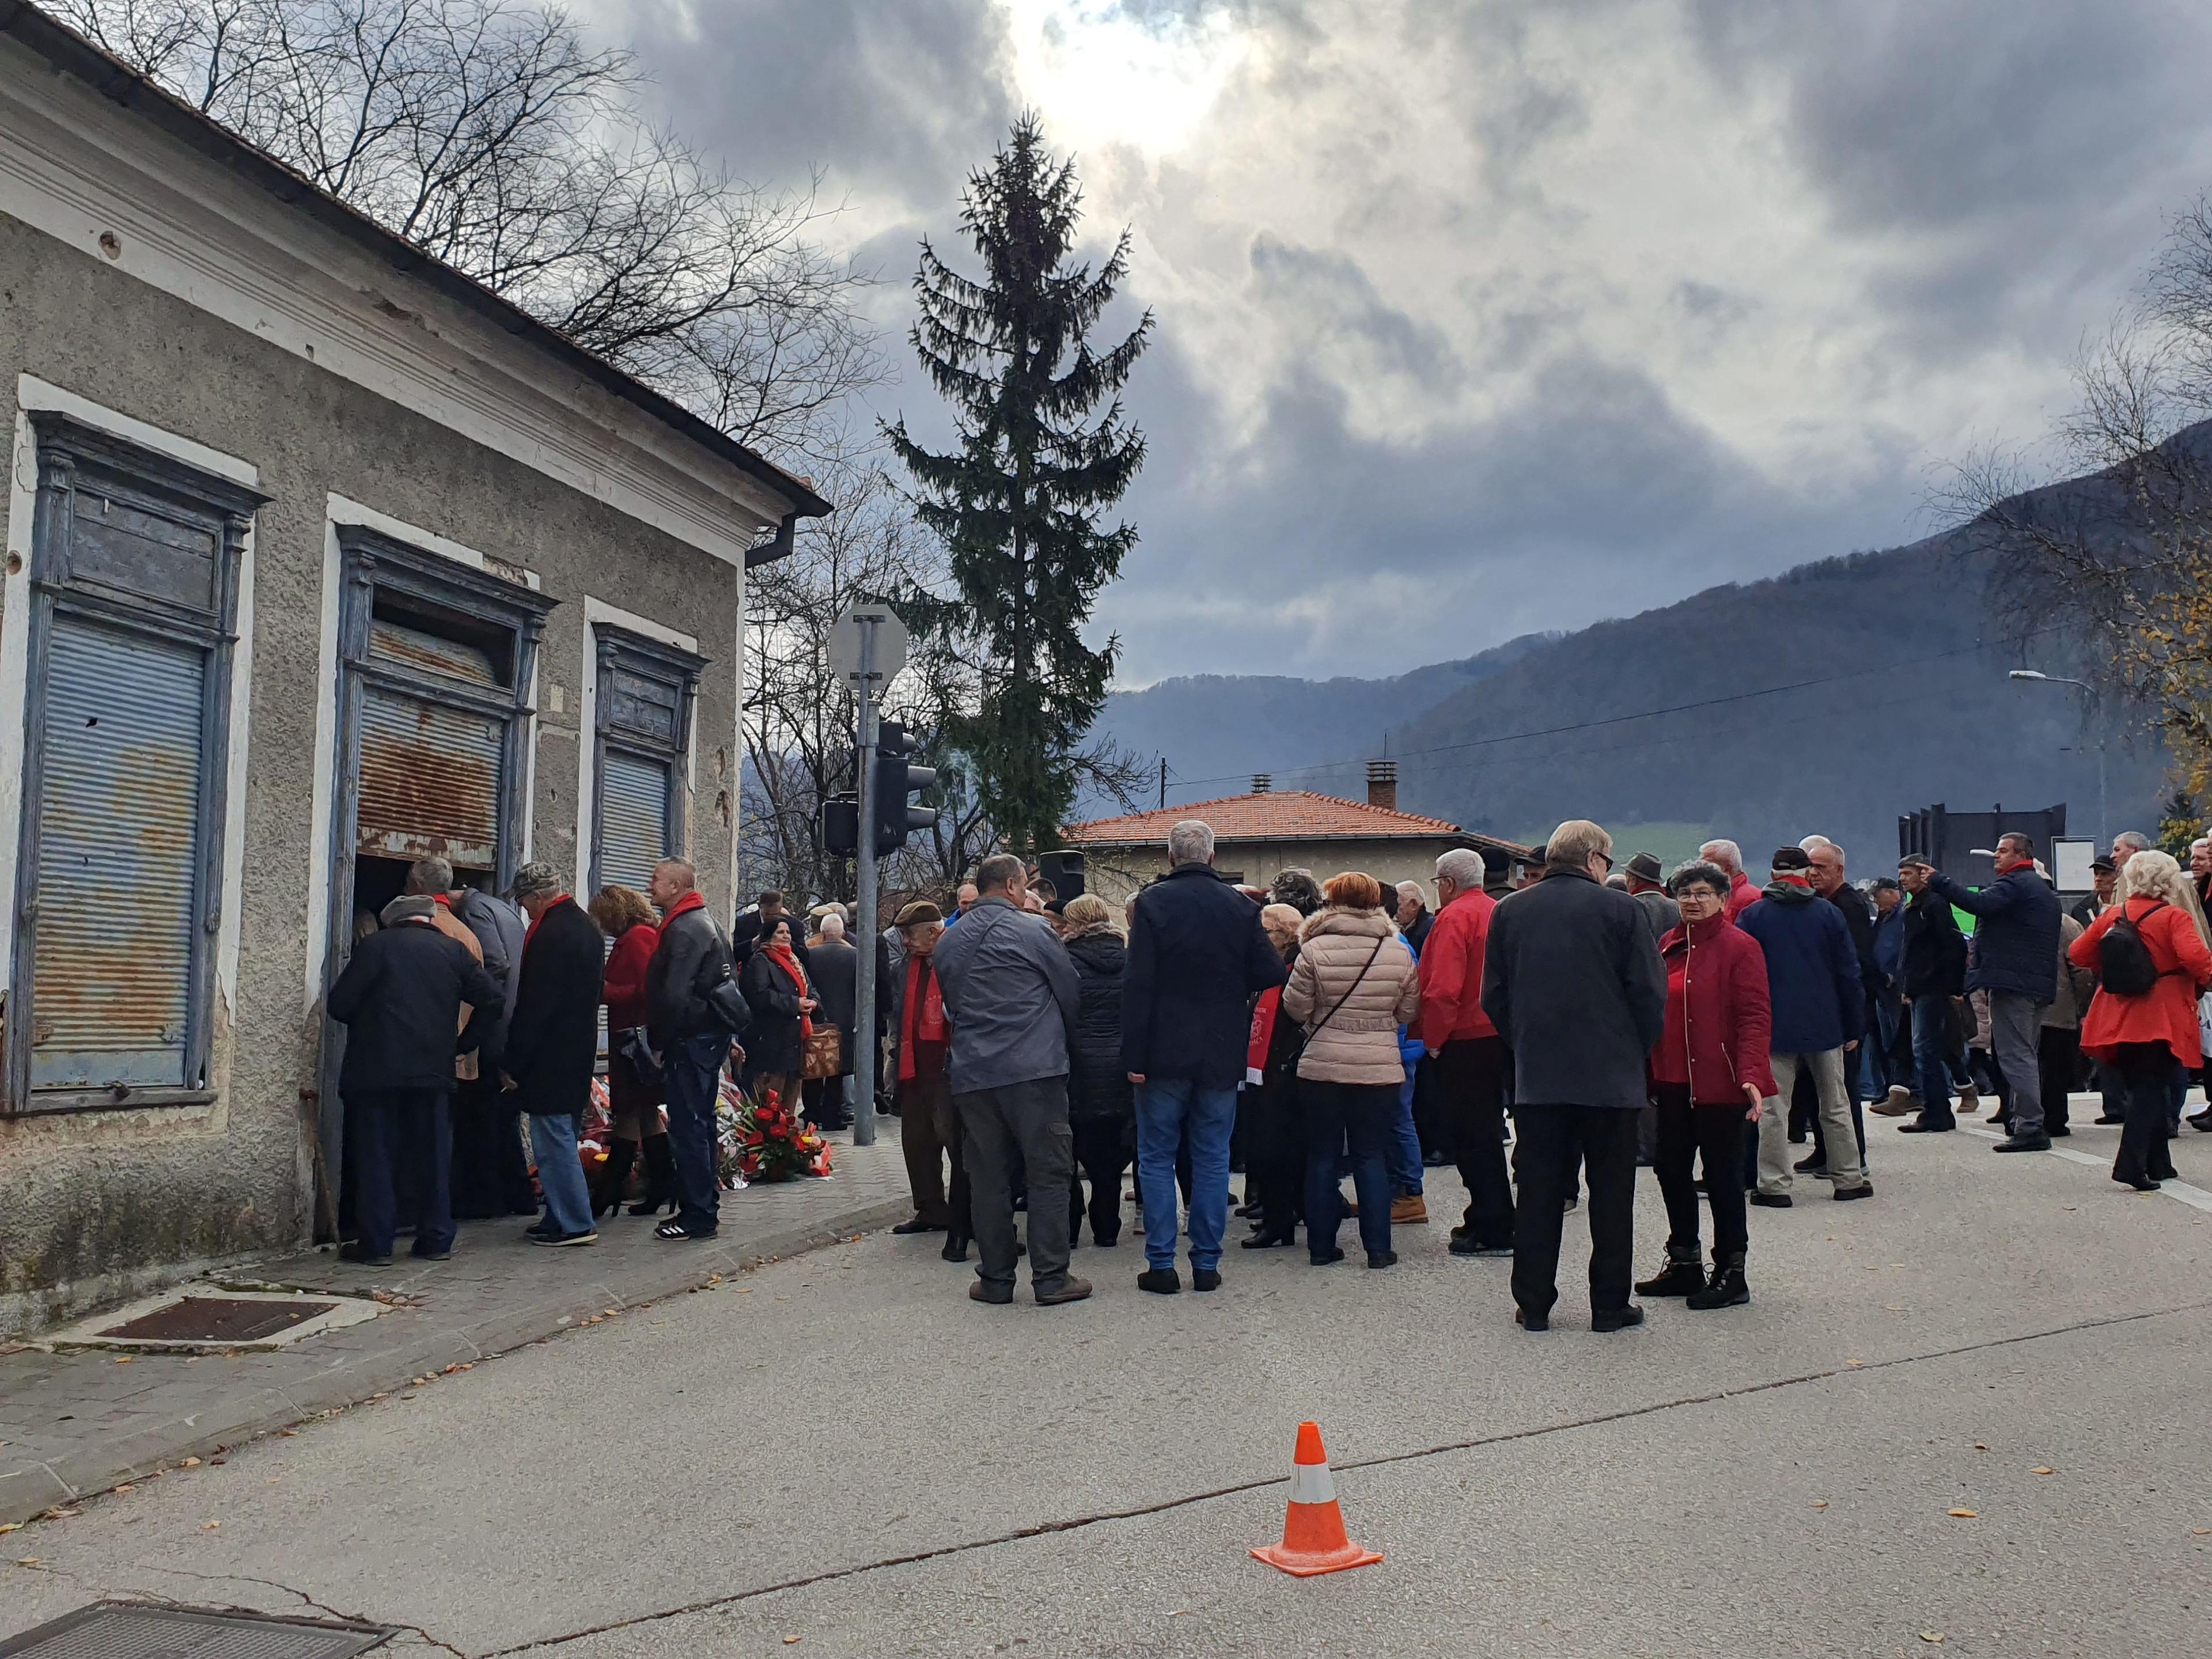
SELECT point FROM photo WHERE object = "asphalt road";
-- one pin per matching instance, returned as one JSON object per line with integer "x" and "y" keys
{"x": 844, "y": 1450}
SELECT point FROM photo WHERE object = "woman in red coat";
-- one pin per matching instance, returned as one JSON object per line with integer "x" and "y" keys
{"x": 2146, "y": 1036}
{"x": 1708, "y": 1076}
{"x": 626, "y": 916}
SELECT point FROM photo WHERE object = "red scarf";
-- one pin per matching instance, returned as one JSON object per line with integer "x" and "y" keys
{"x": 1263, "y": 1033}
{"x": 781, "y": 956}
{"x": 923, "y": 1019}
{"x": 690, "y": 901}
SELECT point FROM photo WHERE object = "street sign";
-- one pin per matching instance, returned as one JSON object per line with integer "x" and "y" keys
{"x": 2069, "y": 864}
{"x": 889, "y": 642}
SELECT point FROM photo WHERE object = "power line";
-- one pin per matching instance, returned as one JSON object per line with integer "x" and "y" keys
{"x": 1642, "y": 714}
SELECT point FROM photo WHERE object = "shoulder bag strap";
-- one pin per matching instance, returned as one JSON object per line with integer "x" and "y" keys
{"x": 1314, "y": 1030}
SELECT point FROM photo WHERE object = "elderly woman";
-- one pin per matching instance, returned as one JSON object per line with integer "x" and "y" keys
{"x": 626, "y": 917}
{"x": 1709, "y": 1073}
{"x": 1353, "y": 985}
{"x": 781, "y": 998}
{"x": 2143, "y": 1024}
{"x": 1101, "y": 1111}
{"x": 1276, "y": 1154}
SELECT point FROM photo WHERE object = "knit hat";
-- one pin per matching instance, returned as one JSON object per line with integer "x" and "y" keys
{"x": 1644, "y": 867}
{"x": 533, "y": 879}
{"x": 916, "y": 913}
{"x": 1790, "y": 857}
{"x": 408, "y": 906}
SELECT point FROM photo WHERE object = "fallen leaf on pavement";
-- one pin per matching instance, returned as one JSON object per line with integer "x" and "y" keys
{"x": 2194, "y": 1532}
{"x": 1855, "y": 1362}
{"x": 126, "y": 1489}
{"x": 2039, "y": 1470}
{"x": 288, "y": 1434}
{"x": 189, "y": 1463}
{"x": 125, "y": 1359}
{"x": 209, "y": 1525}
{"x": 1966, "y": 1515}
{"x": 1978, "y": 1446}
{"x": 1934, "y": 1637}
{"x": 788, "y": 1640}
{"x": 1819, "y": 1503}
{"x": 7, "y": 1527}
{"x": 59, "y": 1515}
{"x": 27, "y": 1560}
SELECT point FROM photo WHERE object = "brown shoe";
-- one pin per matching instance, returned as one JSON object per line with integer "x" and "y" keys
{"x": 1073, "y": 1290}
{"x": 1408, "y": 1209}
{"x": 1899, "y": 1103}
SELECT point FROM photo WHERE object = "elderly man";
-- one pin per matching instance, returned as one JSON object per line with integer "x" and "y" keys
{"x": 1819, "y": 1015}
{"x": 1466, "y": 1056}
{"x": 1573, "y": 980}
{"x": 929, "y": 1131}
{"x": 690, "y": 1017}
{"x": 554, "y": 1044}
{"x": 1742, "y": 892}
{"x": 1861, "y": 1073}
{"x": 1413, "y": 917}
{"x": 1647, "y": 886}
{"x": 2016, "y": 962}
{"x": 1197, "y": 956}
{"x": 1010, "y": 991}
{"x": 963, "y": 901}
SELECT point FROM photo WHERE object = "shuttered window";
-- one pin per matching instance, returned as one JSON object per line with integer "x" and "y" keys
{"x": 134, "y": 582}
{"x": 642, "y": 747}
{"x": 633, "y": 819}
{"x": 431, "y": 778}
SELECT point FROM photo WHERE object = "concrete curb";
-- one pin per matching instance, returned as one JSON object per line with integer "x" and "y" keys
{"x": 29, "y": 1489}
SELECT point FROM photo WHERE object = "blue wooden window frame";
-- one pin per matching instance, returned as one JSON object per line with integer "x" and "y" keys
{"x": 74, "y": 460}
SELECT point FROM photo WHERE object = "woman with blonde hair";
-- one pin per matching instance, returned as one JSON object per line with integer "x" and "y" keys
{"x": 1353, "y": 985}
{"x": 2148, "y": 947}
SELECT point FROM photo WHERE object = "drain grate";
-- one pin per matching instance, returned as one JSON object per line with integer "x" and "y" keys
{"x": 218, "y": 1319}
{"x": 124, "y": 1630}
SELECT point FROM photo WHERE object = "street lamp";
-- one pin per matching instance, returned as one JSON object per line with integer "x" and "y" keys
{"x": 2088, "y": 692}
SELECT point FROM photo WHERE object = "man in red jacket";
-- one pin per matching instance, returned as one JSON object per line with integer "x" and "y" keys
{"x": 1469, "y": 1055}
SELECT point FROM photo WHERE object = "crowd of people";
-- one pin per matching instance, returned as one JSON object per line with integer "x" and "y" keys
{"x": 1701, "y": 1023}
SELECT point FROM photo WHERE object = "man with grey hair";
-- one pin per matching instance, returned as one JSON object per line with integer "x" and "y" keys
{"x": 2126, "y": 845}
{"x": 2016, "y": 961}
{"x": 1573, "y": 980}
{"x": 1467, "y": 1059}
{"x": 1413, "y": 916}
{"x": 1197, "y": 956}
{"x": 1742, "y": 893}
{"x": 1010, "y": 993}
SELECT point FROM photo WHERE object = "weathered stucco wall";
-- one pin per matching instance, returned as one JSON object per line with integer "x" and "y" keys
{"x": 94, "y": 1205}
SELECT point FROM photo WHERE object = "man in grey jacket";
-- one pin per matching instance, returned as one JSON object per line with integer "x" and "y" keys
{"x": 1010, "y": 990}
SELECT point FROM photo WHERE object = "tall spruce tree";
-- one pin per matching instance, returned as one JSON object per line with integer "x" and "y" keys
{"x": 1018, "y": 503}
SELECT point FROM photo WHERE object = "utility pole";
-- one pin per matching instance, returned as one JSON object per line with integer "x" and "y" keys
{"x": 2088, "y": 713}
{"x": 1163, "y": 781}
{"x": 863, "y": 1036}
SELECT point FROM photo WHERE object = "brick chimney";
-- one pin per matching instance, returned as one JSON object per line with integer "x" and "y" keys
{"x": 1383, "y": 784}
{"x": 1262, "y": 782}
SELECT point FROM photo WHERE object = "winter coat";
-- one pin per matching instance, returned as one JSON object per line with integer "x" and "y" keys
{"x": 1857, "y": 912}
{"x": 2167, "y": 1012}
{"x": 1352, "y": 1010}
{"x": 400, "y": 1001}
{"x": 1416, "y": 933}
{"x": 1718, "y": 1019}
{"x": 2075, "y": 984}
{"x": 2016, "y": 940}
{"x": 622, "y": 985}
{"x": 1742, "y": 895}
{"x": 688, "y": 960}
{"x": 1451, "y": 972}
{"x": 499, "y": 927}
{"x": 1812, "y": 972}
{"x": 1661, "y": 912}
{"x": 1889, "y": 950}
{"x": 772, "y": 1042}
{"x": 553, "y": 1040}
{"x": 1098, "y": 1082}
{"x": 1010, "y": 991}
{"x": 1573, "y": 980}
{"x": 1935, "y": 950}
{"x": 1197, "y": 954}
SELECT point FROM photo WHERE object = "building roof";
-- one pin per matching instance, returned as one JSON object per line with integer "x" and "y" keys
{"x": 73, "y": 54}
{"x": 1271, "y": 814}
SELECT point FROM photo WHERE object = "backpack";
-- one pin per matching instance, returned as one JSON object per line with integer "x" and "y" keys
{"x": 2124, "y": 965}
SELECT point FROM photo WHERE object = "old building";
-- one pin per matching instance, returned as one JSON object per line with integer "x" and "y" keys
{"x": 1268, "y": 830}
{"x": 319, "y": 557}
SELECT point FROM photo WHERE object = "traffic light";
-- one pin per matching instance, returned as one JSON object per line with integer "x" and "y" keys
{"x": 840, "y": 825}
{"x": 896, "y": 779}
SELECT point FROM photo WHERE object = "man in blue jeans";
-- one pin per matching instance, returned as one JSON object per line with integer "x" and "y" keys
{"x": 692, "y": 1037}
{"x": 1197, "y": 956}
{"x": 1934, "y": 954}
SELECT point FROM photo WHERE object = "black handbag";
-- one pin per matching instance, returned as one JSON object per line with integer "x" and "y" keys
{"x": 726, "y": 1004}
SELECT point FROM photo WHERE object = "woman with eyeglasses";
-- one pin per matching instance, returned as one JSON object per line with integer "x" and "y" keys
{"x": 1708, "y": 1074}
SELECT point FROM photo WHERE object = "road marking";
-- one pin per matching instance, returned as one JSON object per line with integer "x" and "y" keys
{"x": 2180, "y": 1191}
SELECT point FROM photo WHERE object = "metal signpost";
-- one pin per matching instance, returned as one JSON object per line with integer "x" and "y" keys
{"x": 867, "y": 646}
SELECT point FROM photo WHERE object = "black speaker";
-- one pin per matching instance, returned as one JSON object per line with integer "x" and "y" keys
{"x": 1064, "y": 871}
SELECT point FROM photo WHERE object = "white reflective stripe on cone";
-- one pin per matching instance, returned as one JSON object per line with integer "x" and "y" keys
{"x": 1310, "y": 1484}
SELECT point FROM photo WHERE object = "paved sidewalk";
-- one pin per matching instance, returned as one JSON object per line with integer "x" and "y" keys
{"x": 78, "y": 1423}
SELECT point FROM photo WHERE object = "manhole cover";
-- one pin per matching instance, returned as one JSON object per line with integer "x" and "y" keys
{"x": 218, "y": 1319}
{"x": 122, "y": 1629}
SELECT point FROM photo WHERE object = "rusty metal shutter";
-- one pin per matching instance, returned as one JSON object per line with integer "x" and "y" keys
{"x": 633, "y": 820}
{"x": 429, "y": 781}
{"x": 119, "y": 858}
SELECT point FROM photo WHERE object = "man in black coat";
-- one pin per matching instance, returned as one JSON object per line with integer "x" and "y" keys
{"x": 1935, "y": 972}
{"x": 2016, "y": 962}
{"x": 1572, "y": 980}
{"x": 553, "y": 1045}
{"x": 1825, "y": 872}
{"x": 691, "y": 1035}
{"x": 1197, "y": 957}
{"x": 400, "y": 1000}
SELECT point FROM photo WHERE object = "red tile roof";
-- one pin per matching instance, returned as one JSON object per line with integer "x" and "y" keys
{"x": 1276, "y": 815}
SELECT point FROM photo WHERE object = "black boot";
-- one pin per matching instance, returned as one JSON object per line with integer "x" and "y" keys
{"x": 1728, "y": 1289}
{"x": 1683, "y": 1275}
{"x": 659, "y": 1178}
{"x": 607, "y": 1194}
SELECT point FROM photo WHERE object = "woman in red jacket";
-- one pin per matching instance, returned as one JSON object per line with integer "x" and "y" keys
{"x": 626, "y": 916}
{"x": 1708, "y": 1074}
{"x": 2145, "y": 1036}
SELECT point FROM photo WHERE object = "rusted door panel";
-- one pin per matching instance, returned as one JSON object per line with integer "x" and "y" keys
{"x": 430, "y": 776}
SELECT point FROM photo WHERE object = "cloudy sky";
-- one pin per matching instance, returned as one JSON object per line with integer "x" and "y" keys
{"x": 1478, "y": 317}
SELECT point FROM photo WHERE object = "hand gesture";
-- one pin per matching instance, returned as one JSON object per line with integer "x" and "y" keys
{"x": 1757, "y": 1105}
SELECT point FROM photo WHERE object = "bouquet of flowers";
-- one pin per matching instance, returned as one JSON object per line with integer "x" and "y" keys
{"x": 764, "y": 1140}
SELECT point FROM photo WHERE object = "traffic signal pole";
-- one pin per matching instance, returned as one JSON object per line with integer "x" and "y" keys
{"x": 863, "y": 1037}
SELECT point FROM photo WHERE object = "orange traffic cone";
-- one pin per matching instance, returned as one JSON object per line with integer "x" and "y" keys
{"x": 1312, "y": 1532}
